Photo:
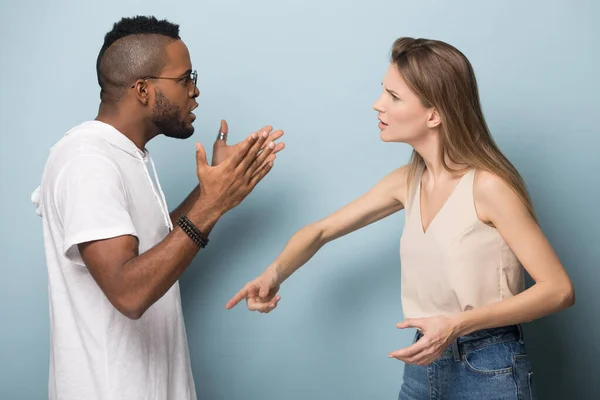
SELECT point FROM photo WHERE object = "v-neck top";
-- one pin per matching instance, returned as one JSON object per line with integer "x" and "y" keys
{"x": 458, "y": 262}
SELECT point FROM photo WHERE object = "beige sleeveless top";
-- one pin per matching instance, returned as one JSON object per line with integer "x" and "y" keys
{"x": 459, "y": 263}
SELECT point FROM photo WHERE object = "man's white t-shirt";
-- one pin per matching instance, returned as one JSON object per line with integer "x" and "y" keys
{"x": 97, "y": 185}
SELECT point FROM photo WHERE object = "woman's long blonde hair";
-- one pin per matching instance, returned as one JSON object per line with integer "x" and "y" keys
{"x": 443, "y": 78}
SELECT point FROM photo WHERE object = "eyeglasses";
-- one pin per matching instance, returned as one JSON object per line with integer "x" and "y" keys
{"x": 191, "y": 77}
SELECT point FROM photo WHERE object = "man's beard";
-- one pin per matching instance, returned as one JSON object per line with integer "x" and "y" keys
{"x": 166, "y": 116}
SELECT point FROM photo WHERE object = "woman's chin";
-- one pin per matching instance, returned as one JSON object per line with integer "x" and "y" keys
{"x": 386, "y": 137}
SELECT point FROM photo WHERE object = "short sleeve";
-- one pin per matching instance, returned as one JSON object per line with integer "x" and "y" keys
{"x": 91, "y": 201}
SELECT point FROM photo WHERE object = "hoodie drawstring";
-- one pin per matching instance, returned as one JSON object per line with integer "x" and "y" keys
{"x": 160, "y": 196}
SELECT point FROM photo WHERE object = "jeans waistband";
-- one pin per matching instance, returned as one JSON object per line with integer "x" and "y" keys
{"x": 482, "y": 338}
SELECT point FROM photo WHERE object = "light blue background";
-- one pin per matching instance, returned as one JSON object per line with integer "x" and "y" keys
{"x": 312, "y": 68}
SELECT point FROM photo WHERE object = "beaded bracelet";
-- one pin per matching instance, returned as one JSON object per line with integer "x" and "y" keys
{"x": 194, "y": 233}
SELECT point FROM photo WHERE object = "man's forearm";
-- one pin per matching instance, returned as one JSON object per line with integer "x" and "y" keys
{"x": 186, "y": 205}
{"x": 147, "y": 277}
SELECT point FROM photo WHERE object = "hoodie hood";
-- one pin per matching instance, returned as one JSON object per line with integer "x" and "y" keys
{"x": 105, "y": 131}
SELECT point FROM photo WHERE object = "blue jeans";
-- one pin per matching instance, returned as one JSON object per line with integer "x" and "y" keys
{"x": 490, "y": 364}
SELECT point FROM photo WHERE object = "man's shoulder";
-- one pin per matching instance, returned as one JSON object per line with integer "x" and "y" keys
{"x": 81, "y": 148}
{"x": 83, "y": 140}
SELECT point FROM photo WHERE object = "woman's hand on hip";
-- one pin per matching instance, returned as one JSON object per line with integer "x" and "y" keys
{"x": 438, "y": 333}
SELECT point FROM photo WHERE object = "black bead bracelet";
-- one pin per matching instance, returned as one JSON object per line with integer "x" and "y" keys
{"x": 194, "y": 233}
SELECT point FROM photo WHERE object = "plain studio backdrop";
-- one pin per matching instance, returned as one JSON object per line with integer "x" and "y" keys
{"x": 313, "y": 68}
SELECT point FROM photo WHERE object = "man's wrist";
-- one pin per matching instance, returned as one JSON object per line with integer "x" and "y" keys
{"x": 204, "y": 215}
{"x": 192, "y": 231}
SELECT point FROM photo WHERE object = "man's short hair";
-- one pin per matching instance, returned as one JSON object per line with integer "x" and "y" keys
{"x": 133, "y": 49}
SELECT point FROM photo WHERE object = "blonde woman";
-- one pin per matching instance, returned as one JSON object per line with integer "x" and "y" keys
{"x": 470, "y": 231}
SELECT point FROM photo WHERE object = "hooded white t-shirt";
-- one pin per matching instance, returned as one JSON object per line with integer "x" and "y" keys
{"x": 97, "y": 185}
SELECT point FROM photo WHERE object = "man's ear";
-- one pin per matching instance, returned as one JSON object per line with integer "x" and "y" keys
{"x": 142, "y": 91}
